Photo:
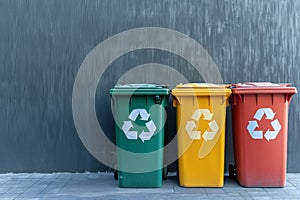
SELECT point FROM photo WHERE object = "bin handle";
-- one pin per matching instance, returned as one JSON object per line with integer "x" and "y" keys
{"x": 226, "y": 99}
{"x": 289, "y": 97}
{"x": 176, "y": 100}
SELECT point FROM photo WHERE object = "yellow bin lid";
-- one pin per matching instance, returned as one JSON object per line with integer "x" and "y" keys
{"x": 201, "y": 89}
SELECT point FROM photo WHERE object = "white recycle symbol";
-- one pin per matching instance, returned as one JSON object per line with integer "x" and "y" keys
{"x": 258, "y": 134}
{"x": 191, "y": 125}
{"x": 133, "y": 135}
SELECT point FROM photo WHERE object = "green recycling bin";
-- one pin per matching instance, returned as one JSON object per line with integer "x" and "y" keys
{"x": 139, "y": 114}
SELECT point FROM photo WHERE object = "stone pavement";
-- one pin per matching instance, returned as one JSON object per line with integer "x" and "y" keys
{"x": 103, "y": 186}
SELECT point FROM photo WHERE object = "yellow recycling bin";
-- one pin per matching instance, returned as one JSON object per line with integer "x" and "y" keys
{"x": 201, "y": 112}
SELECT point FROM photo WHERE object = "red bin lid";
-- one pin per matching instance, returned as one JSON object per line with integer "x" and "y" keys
{"x": 262, "y": 87}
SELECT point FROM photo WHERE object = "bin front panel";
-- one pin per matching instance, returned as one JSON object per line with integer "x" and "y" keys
{"x": 260, "y": 123}
{"x": 201, "y": 140}
{"x": 140, "y": 119}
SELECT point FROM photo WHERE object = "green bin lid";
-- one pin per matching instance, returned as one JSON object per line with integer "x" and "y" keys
{"x": 263, "y": 88}
{"x": 140, "y": 89}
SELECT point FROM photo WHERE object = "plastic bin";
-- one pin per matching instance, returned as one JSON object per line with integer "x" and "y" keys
{"x": 139, "y": 112}
{"x": 201, "y": 112}
{"x": 260, "y": 129}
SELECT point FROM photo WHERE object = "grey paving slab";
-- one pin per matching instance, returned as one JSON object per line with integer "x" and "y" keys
{"x": 215, "y": 191}
{"x": 4, "y": 189}
{"x": 26, "y": 199}
{"x": 179, "y": 190}
{"x": 31, "y": 194}
{"x": 9, "y": 195}
{"x": 15, "y": 191}
{"x": 103, "y": 186}
{"x": 188, "y": 196}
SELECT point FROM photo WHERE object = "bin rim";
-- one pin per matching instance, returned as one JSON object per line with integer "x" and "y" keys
{"x": 140, "y": 89}
{"x": 263, "y": 88}
{"x": 201, "y": 89}
{"x": 140, "y": 86}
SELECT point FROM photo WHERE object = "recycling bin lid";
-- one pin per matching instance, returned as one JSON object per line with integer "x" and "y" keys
{"x": 262, "y": 88}
{"x": 140, "y": 89}
{"x": 201, "y": 89}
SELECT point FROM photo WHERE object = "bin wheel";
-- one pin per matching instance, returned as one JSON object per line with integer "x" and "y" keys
{"x": 232, "y": 171}
{"x": 116, "y": 175}
{"x": 165, "y": 173}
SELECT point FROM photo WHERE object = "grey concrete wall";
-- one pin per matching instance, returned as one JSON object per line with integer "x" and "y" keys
{"x": 43, "y": 43}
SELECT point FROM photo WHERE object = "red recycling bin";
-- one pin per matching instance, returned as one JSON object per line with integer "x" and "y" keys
{"x": 260, "y": 128}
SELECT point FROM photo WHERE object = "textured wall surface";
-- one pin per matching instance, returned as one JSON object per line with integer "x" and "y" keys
{"x": 44, "y": 42}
